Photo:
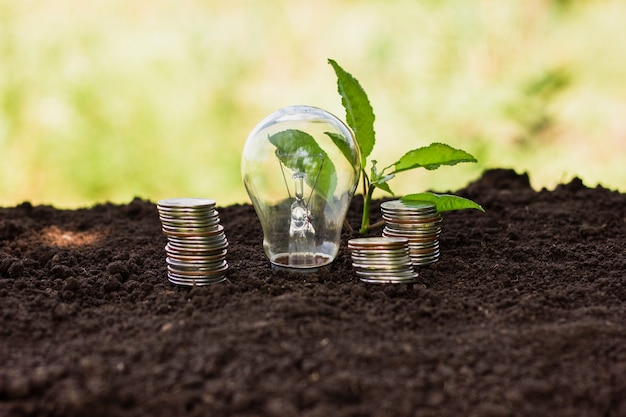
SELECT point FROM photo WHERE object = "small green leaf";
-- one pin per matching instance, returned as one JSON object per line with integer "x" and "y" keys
{"x": 359, "y": 113}
{"x": 384, "y": 178}
{"x": 444, "y": 202}
{"x": 384, "y": 186}
{"x": 374, "y": 171}
{"x": 298, "y": 150}
{"x": 432, "y": 157}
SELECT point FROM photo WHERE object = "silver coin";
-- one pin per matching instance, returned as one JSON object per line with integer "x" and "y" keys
{"x": 416, "y": 253}
{"x": 411, "y": 216}
{"x": 193, "y": 218}
{"x": 191, "y": 254}
{"x": 388, "y": 280}
{"x": 376, "y": 242}
{"x": 409, "y": 234}
{"x": 410, "y": 231}
{"x": 214, "y": 231}
{"x": 188, "y": 231}
{"x": 195, "y": 234}
{"x": 401, "y": 227}
{"x": 188, "y": 214}
{"x": 178, "y": 252}
{"x": 182, "y": 220}
{"x": 423, "y": 243}
{"x": 411, "y": 206}
{"x": 423, "y": 252}
{"x": 195, "y": 274}
{"x": 382, "y": 267}
{"x": 380, "y": 248}
{"x": 185, "y": 273}
{"x": 383, "y": 263}
{"x": 187, "y": 221}
{"x": 216, "y": 255}
{"x": 425, "y": 261}
{"x": 391, "y": 276}
{"x": 196, "y": 249}
{"x": 380, "y": 258}
{"x": 388, "y": 275}
{"x": 186, "y": 202}
{"x": 186, "y": 240}
{"x": 423, "y": 238}
{"x": 414, "y": 235}
{"x": 195, "y": 281}
{"x": 199, "y": 264}
{"x": 423, "y": 249}
{"x": 219, "y": 242}
{"x": 423, "y": 256}
{"x": 416, "y": 249}
{"x": 374, "y": 252}
{"x": 374, "y": 257}
{"x": 185, "y": 209}
{"x": 411, "y": 222}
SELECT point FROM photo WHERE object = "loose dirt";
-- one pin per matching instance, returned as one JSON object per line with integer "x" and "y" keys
{"x": 523, "y": 315}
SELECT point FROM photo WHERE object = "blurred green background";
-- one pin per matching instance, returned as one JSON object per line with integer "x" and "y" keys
{"x": 108, "y": 99}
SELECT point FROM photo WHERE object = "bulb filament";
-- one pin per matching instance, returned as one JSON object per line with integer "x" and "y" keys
{"x": 301, "y": 230}
{"x": 302, "y": 238}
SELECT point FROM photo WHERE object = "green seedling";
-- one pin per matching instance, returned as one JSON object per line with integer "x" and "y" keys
{"x": 360, "y": 117}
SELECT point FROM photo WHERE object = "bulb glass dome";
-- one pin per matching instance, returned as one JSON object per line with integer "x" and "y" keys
{"x": 300, "y": 166}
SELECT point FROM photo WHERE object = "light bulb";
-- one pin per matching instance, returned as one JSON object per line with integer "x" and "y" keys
{"x": 300, "y": 166}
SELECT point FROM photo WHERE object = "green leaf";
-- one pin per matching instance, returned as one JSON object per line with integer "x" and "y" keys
{"x": 343, "y": 145}
{"x": 298, "y": 150}
{"x": 359, "y": 113}
{"x": 444, "y": 202}
{"x": 432, "y": 157}
{"x": 384, "y": 186}
{"x": 380, "y": 181}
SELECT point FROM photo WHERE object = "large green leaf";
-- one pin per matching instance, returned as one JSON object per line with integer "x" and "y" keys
{"x": 359, "y": 113}
{"x": 432, "y": 157}
{"x": 299, "y": 151}
{"x": 342, "y": 144}
{"x": 444, "y": 202}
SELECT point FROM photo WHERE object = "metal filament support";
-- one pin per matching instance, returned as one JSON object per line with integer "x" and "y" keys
{"x": 302, "y": 239}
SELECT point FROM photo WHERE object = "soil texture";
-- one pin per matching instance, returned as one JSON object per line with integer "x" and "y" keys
{"x": 523, "y": 315}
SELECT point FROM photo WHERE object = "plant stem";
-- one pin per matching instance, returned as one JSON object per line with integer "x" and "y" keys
{"x": 365, "y": 182}
{"x": 365, "y": 220}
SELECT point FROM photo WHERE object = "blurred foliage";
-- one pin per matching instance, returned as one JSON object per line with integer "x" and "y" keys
{"x": 107, "y": 100}
{"x": 532, "y": 109}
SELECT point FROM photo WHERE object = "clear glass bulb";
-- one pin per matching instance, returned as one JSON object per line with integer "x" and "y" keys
{"x": 300, "y": 166}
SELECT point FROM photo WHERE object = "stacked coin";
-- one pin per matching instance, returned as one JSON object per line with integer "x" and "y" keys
{"x": 419, "y": 222}
{"x": 382, "y": 260}
{"x": 196, "y": 247}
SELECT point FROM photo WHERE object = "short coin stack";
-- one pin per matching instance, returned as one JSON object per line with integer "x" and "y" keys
{"x": 196, "y": 247}
{"x": 419, "y": 222}
{"x": 382, "y": 260}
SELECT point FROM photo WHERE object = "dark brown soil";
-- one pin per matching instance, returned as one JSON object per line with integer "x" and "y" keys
{"x": 524, "y": 315}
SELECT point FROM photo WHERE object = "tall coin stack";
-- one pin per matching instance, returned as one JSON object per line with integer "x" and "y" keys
{"x": 382, "y": 260}
{"x": 196, "y": 247}
{"x": 419, "y": 222}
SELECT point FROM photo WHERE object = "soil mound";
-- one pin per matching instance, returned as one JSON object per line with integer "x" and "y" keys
{"x": 523, "y": 315}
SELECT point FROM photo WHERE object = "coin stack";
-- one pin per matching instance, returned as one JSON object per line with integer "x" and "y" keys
{"x": 382, "y": 260}
{"x": 196, "y": 247}
{"x": 419, "y": 222}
